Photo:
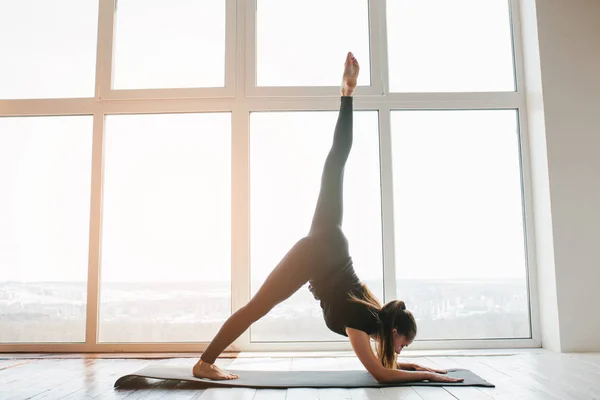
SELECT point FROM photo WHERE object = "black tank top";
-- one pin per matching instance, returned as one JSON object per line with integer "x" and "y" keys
{"x": 333, "y": 290}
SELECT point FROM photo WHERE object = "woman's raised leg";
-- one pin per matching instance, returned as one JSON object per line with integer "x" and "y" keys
{"x": 329, "y": 210}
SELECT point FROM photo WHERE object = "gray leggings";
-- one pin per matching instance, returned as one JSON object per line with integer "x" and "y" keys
{"x": 325, "y": 244}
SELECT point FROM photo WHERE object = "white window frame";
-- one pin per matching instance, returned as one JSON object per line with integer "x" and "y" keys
{"x": 107, "y": 13}
{"x": 240, "y": 96}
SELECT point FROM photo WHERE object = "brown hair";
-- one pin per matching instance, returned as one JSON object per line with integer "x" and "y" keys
{"x": 392, "y": 315}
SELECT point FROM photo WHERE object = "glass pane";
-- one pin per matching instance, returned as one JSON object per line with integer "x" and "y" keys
{"x": 179, "y": 44}
{"x": 48, "y": 48}
{"x": 166, "y": 227}
{"x": 45, "y": 180}
{"x": 460, "y": 255}
{"x": 288, "y": 150}
{"x": 304, "y": 43}
{"x": 449, "y": 46}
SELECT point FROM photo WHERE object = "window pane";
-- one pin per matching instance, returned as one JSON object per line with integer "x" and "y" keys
{"x": 460, "y": 253}
{"x": 449, "y": 46}
{"x": 48, "y": 48}
{"x": 288, "y": 150}
{"x": 45, "y": 172}
{"x": 166, "y": 227}
{"x": 179, "y": 44}
{"x": 304, "y": 43}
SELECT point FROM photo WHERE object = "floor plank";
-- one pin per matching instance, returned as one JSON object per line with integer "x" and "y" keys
{"x": 105, "y": 377}
{"x": 523, "y": 373}
{"x": 575, "y": 369}
{"x": 73, "y": 383}
{"x": 507, "y": 386}
{"x": 228, "y": 394}
{"x": 587, "y": 358}
{"x": 5, "y": 364}
{"x": 367, "y": 394}
{"x": 401, "y": 393}
{"x": 526, "y": 375}
{"x": 38, "y": 377}
{"x": 555, "y": 370}
{"x": 16, "y": 373}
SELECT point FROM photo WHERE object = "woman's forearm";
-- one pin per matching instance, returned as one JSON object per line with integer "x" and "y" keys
{"x": 398, "y": 375}
{"x": 405, "y": 366}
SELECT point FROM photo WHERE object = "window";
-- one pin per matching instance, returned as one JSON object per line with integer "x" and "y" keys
{"x": 285, "y": 174}
{"x": 45, "y": 167}
{"x": 48, "y": 48}
{"x": 460, "y": 255}
{"x": 450, "y": 46}
{"x": 181, "y": 45}
{"x": 158, "y": 159}
{"x": 166, "y": 227}
{"x": 302, "y": 43}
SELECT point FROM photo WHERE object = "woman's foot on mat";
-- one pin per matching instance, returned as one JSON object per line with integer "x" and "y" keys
{"x": 211, "y": 371}
{"x": 351, "y": 69}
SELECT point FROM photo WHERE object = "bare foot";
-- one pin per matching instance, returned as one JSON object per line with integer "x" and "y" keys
{"x": 211, "y": 371}
{"x": 351, "y": 69}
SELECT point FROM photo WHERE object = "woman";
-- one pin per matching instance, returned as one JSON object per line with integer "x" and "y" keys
{"x": 322, "y": 258}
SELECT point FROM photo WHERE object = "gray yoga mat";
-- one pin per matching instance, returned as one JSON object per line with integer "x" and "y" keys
{"x": 288, "y": 379}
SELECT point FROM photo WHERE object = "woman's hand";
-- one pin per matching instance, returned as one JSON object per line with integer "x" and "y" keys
{"x": 362, "y": 347}
{"x": 433, "y": 377}
{"x": 417, "y": 367}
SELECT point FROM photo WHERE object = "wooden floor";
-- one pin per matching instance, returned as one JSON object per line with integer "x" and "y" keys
{"x": 524, "y": 375}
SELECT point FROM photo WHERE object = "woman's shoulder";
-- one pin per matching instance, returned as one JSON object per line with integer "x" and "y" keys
{"x": 362, "y": 316}
{"x": 365, "y": 310}
{"x": 364, "y": 319}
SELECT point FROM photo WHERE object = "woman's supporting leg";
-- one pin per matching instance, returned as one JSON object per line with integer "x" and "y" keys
{"x": 289, "y": 275}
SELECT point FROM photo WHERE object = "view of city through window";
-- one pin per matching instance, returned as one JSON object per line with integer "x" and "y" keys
{"x": 194, "y": 311}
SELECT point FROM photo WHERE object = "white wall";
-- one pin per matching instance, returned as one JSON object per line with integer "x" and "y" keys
{"x": 564, "y": 130}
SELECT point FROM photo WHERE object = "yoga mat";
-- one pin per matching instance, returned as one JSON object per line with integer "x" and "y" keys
{"x": 289, "y": 379}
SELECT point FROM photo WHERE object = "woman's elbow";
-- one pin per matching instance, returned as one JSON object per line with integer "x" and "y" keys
{"x": 381, "y": 376}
